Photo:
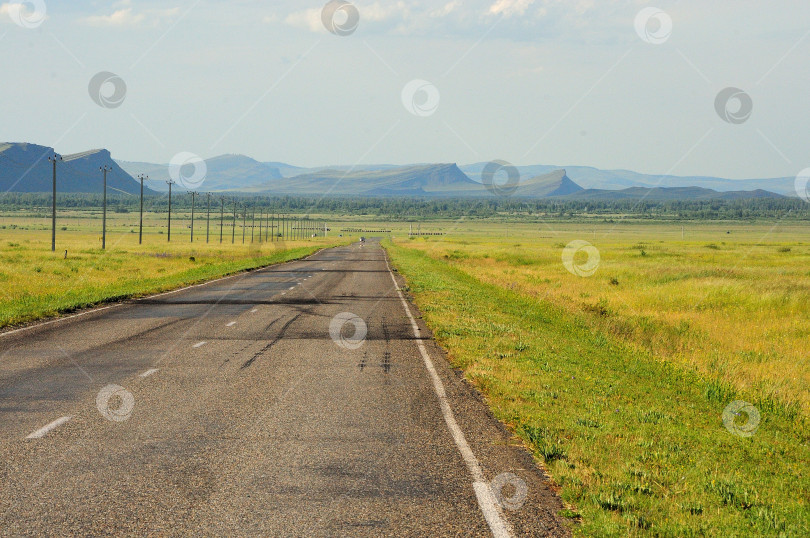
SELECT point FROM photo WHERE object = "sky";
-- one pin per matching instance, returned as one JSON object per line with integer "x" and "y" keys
{"x": 614, "y": 84}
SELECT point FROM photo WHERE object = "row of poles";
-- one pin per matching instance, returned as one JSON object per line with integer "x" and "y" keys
{"x": 272, "y": 227}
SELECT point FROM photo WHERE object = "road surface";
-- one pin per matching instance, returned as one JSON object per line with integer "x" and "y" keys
{"x": 304, "y": 399}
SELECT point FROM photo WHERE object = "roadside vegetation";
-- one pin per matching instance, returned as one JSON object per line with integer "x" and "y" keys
{"x": 618, "y": 382}
{"x": 399, "y": 209}
{"x": 36, "y": 283}
{"x": 729, "y": 304}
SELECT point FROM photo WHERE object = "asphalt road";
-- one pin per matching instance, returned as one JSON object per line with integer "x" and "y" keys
{"x": 304, "y": 399}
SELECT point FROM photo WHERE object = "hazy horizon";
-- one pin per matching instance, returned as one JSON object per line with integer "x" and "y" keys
{"x": 526, "y": 81}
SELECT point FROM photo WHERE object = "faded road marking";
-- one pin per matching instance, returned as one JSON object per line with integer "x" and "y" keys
{"x": 486, "y": 499}
{"x": 42, "y": 432}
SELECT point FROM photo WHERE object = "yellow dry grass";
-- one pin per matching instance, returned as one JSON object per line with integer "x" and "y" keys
{"x": 735, "y": 307}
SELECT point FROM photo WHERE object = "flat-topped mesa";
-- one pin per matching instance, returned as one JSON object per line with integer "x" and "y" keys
{"x": 100, "y": 153}
{"x": 412, "y": 180}
{"x": 25, "y": 167}
{"x": 556, "y": 183}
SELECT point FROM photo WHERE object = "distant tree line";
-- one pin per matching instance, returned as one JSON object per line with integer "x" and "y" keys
{"x": 412, "y": 209}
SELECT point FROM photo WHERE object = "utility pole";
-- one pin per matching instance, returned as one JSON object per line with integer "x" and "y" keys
{"x": 170, "y": 183}
{"x": 253, "y": 224}
{"x": 221, "y": 218}
{"x": 233, "y": 230}
{"x": 140, "y": 229}
{"x": 104, "y": 169}
{"x": 53, "y": 159}
{"x": 193, "y": 199}
{"x": 208, "y": 218}
{"x": 261, "y": 224}
{"x": 244, "y": 223}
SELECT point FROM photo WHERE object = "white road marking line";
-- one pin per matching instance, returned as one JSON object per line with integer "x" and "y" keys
{"x": 199, "y": 344}
{"x": 149, "y": 372}
{"x": 42, "y": 432}
{"x": 499, "y": 526}
{"x": 231, "y": 324}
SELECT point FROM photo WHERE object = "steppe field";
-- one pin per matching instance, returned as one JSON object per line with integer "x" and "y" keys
{"x": 659, "y": 371}
{"x": 36, "y": 283}
{"x": 663, "y": 380}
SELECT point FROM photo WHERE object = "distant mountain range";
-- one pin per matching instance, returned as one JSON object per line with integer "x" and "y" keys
{"x": 25, "y": 168}
{"x": 225, "y": 173}
{"x": 594, "y": 178}
{"x": 659, "y": 194}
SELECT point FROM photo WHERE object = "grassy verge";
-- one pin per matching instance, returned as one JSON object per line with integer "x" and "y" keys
{"x": 736, "y": 310}
{"x": 37, "y": 284}
{"x": 638, "y": 445}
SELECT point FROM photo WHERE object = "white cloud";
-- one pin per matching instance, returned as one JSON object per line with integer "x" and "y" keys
{"x": 377, "y": 12}
{"x": 122, "y": 17}
{"x": 128, "y": 17}
{"x": 308, "y": 20}
{"x": 446, "y": 10}
{"x": 510, "y": 7}
{"x": 28, "y": 14}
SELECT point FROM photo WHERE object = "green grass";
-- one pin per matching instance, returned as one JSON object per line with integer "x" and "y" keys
{"x": 738, "y": 311}
{"x": 637, "y": 444}
{"x": 36, "y": 283}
